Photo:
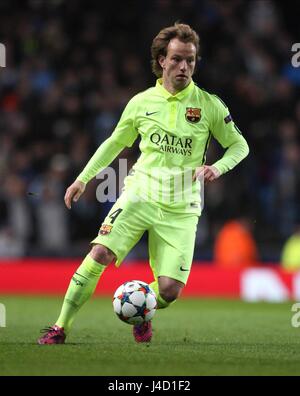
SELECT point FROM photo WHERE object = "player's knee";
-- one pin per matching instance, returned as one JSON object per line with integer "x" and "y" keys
{"x": 169, "y": 293}
{"x": 169, "y": 289}
{"x": 102, "y": 254}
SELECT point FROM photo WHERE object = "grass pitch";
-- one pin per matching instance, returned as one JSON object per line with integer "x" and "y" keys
{"x": 193, "y": 337}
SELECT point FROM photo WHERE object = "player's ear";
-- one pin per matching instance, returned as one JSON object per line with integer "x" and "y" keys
{"x": 162, "y": 61}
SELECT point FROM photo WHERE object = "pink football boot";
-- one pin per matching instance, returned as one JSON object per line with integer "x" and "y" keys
{"x": 143, "y": 332}
{"x": 53, "y": 335}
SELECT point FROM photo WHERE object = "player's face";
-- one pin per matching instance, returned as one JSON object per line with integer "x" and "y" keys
{"x": 178, "y": 66}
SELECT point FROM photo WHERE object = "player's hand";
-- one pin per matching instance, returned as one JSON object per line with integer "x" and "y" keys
{"x": 74, "y": 192}
{"x": 209, "y": 173}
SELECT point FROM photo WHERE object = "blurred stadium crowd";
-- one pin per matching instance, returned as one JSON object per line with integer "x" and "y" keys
{"x": 71, "y": 68}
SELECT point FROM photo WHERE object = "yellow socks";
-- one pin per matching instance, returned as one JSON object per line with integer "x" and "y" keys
{"x": 82, "y": 286}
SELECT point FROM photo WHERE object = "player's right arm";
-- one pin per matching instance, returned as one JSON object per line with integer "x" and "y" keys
{"x": 124, "y": 135}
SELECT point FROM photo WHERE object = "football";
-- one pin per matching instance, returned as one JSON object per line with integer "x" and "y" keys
{"x": 134, "y": 302}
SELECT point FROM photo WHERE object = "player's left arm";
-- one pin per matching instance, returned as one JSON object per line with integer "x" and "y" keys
{"x": 229, "y": 136}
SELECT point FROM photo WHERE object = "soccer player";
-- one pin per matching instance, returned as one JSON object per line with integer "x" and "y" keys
{"x": 175, "y": 120}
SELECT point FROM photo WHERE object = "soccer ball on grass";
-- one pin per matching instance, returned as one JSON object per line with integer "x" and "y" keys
{"x": 134, "y": 302}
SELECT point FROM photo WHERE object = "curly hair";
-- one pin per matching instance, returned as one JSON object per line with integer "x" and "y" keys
{"x": 160, "y": 43}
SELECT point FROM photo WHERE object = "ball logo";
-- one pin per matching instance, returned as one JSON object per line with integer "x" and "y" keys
{"x": 2, "y": 55}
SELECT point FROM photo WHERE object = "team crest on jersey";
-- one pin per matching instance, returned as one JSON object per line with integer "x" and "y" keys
{"x": 193, "y": 114}
{"x": 105, "y": 229}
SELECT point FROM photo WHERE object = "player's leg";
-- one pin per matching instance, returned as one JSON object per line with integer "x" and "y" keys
{"x": 83, "y": 283}
{"x": 125, "y": 226}
{"x": 161, "y": 285}
{"x": 171, "y": 249}
{"x": 169, "y": 289}
{"x": 81, "y": 288}
{"x": 120, "y": 231}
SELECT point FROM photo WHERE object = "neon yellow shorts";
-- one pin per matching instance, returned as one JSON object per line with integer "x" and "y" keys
{"x": 171, "y": 236}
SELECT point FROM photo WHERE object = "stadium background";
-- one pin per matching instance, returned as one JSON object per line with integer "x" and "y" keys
{"x": 71, "y": 68}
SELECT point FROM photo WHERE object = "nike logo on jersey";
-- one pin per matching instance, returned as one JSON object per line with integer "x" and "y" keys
{"x": 183, "y": 269}
{"x": 153, "y": 112}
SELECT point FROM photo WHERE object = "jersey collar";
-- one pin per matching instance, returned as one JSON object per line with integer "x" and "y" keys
{"x": 180, "y": 95}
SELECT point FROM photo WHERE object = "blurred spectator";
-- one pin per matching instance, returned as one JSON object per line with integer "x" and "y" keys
{"x": 288, "y": 187}
{"x": 235, "y": 246}
{"x": 16, "y": 222}
{"x": 290, "y": 259}
{"x": 51, "y": 216}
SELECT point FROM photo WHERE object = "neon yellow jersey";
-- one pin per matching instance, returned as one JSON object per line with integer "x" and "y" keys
{"x": 175, "y": 132}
